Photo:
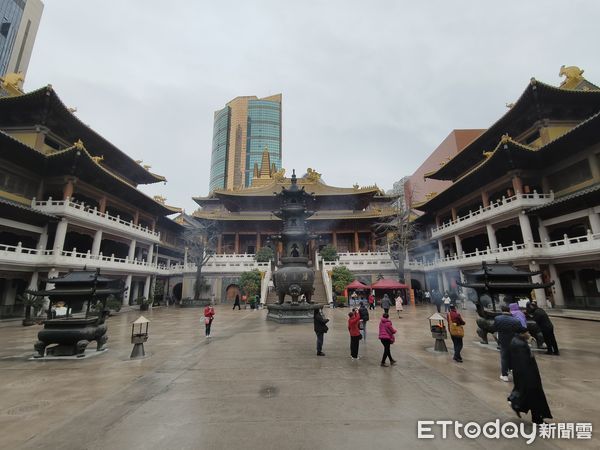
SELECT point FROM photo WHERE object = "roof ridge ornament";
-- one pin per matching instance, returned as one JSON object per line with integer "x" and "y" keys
{"x": 573, "y": 76}
{"x": 79, "y": 145}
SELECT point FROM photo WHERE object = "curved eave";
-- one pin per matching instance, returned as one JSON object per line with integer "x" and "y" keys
{"x": 44, "y": 107}
{"x": 498, "y": 162}
{"x": 318, "y": 216}
{"x": 105, "y": 179}
{"x": 472, "y": 153}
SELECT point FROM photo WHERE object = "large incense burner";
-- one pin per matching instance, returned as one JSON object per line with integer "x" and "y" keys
{"x": 70, "y": 336}
{"x": 494, "y": 280}
{"x": 294, "y": 277}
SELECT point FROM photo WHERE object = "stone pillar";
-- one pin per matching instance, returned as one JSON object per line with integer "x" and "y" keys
{"x": 33, "y": 281}
{"x": 127, "y": 294}
{"x": 458, "y": 243}
{"x": 147, "y": 287}
{"x": 43, "y": 240}
{"x": 131, "y": 253}
{"x": 68, "y": 190}
{"x": 540, "y": 294}
{"x": 559, "y": 298}
{"x": 150, "y": 253}
{"x": 356, "y": 246}
{"x": 594, "y": 221}
{"x": 440, "y": 281}
{"x": 236, "y": 244}
{"x": 517, "y": 184}
{"x": 543, "y": 233}
{"x": 61, "y": 233}
{"x": 257, "y": 242}
{"x": 185, "y": 256}
{"x": 491, "y": 233}
{"x": 445, "y": 282}
{"x": 485, "y": 199}
{"x": 334, "y": 241}
{"x": 135, "y": 290}
{"x": 525, "y": 228}
{"x": 139, "y": 253}
{"x": 96, "y": 243}
{"x": 441, "y": 248}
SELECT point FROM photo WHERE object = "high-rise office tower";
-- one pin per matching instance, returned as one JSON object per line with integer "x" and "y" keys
{"x": 242, "y": 130}
{"x": 19, "y": 23}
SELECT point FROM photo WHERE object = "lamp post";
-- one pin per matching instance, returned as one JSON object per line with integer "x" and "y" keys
{"x": 438, "y": 332}
{"x": 139, "y": 338}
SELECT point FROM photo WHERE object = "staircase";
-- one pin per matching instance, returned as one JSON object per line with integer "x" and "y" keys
{"x": 320, "y": 295}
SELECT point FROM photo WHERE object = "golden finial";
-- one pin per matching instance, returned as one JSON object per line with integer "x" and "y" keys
{"x": 505, "y": 138}
{"x": 160, "y": 199}
{"x": 312, "y": 175}
{"x": 98, "y": 159}
{"x": 79, "y": 145}
{"x": 279, "y": 175}
{"x": 573, "y": 76}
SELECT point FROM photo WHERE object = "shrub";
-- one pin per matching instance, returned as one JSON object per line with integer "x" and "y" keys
{"x": 250, "y": 282}
{"x": 340, "y": 278}
{"x": 329, "y": 253}
{"x": 265, "y": 254}
{"x": 341, "y": 300}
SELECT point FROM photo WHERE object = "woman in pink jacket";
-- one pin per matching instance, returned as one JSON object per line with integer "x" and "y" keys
{"x": 386, "y": 336}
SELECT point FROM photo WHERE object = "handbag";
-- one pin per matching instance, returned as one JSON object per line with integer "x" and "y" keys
{"x": 455, "y": 329}
{"x": 206, "y": 320}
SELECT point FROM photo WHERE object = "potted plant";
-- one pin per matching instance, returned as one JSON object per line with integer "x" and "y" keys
{"x": 143, "y": 302}
{"x": 30, "y": 302}
{"x": 113, "y": 304}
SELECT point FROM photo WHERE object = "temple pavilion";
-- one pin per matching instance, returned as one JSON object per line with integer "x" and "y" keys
{"x": 69, "y": 199}
{"x": 526, "y": 191}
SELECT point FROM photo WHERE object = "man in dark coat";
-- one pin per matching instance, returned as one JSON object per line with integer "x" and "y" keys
{"x": 528, "y": 393}
{"x": 507, "y": 326}
{"x": 321, "y": 328}
{"x": 546, "y": 327}
{"x": 436, "y": 296}
{"x": 364, "y": 317}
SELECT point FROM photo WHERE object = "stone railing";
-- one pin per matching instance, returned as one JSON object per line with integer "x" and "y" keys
{"x": 588, "y": 244}
{"x": 93, "y": 217}
{"x": 371, "y": 261}
{"x": 501, "y": 206}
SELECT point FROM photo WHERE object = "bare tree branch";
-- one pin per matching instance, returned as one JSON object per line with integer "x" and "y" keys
{"x": 201, "y": 241}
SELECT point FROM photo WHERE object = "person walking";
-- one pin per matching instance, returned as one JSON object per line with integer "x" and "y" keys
{"x": 385, "y": 304}
{"x": 364, "y": 318}
{"x": 507, "y": 326}
{"x": 399, "y": 305}
{"x": 387, "y": 338}
{"x": 446, "y": 300}
{"x": 236, "y": 302}
{"x": 371, "y": 301}
{"x": 320, "y": 324}
{"x": 437, "y": 300}
{"x": 546, "y": 327}
{"x": 209, "y": 315}
{"x": 355, "y": 336}
{"x": 528, "y": 392}
{"x": 457, "y": 332}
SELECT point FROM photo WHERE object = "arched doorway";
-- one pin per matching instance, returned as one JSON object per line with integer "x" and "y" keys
{"x": 177, "y": 291}
{"x": 231, "y": 291}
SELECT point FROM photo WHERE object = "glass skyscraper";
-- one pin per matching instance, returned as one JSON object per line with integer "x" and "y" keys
{"x": 241, "y": 132}
{"x": 19, "y": 22}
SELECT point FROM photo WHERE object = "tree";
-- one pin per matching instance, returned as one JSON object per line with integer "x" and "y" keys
{"x": 200, "y": 239}
{"x": 250, "y": 282}
{"x": 340, "y": 278}
{"x": 399, "y": 228}
{"x": 265, "y": 254}
{"x": 329, "y": 253}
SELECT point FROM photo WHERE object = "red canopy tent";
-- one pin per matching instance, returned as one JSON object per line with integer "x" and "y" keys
{"x": 388, "y": 284}
{"x": 357, "y": 285}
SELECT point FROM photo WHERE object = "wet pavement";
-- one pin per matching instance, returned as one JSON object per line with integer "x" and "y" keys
{"x": 258, "y": 384}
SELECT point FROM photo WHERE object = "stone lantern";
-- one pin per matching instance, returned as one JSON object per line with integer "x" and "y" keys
{"x": 138, "y": 337}
{"x": 437, "y": 325}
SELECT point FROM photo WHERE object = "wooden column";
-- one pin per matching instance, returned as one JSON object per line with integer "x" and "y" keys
{"x": 485, "y": 199}
{"x": 68, "y": 190}
{"x": 136, "y": 217}
{"x": 236, "y": 246}
{"x": 517, "y": 184}
{"x": 102, "y": 205}
{"x": 356, "y": 248}
{"x": 454, "y": 213}
{"x": 219, "y": 244}
{"x": 257, "y": 242}
{"x": 373, "y": 242}
{"x": 334, "y": 241}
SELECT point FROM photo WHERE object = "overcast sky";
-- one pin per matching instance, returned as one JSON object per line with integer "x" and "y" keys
{"x": 369, "y": 88}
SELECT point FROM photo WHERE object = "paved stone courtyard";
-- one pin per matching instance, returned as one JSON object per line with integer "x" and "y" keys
{"x": 259, "y": 385}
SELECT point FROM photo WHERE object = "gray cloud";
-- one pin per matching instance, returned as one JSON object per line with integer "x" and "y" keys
{"x": 369, "y": 88}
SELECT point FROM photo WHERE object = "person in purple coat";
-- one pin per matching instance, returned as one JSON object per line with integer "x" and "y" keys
{"x": 516, "y": 312}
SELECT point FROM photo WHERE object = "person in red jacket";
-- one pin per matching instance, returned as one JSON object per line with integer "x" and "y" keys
{"x": 371, "y": 301}
{"x": 355, "y": 336}
{"x": 386, "y": 336}
{"x": 209, "y": 315}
